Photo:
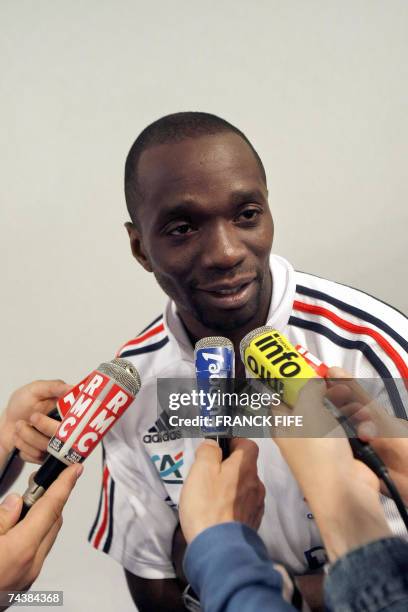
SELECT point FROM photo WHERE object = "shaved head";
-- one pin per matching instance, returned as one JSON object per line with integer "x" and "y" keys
{"x": 170, "y": 129}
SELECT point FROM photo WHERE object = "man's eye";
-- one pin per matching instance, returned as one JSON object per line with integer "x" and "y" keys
{"x": 249, "y": 214}
{"x": 180, "y": 230}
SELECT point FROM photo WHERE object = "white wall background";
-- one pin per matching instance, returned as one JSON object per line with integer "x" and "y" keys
{"x": 320, "y": 87}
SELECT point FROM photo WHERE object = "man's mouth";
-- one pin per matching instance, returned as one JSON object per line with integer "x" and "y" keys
{"x": 229, "y": 295}
{"x": 229, "y": 291}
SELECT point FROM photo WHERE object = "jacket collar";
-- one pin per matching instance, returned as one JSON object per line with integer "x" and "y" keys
{"x": 283, "y": 294}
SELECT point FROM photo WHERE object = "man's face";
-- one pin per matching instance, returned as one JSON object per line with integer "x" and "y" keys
{"x": 205, "y": 229}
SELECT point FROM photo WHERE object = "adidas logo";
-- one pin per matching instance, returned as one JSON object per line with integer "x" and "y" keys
{"x": 161, "y": 436}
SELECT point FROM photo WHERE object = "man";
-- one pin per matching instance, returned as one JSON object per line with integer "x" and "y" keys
{"x": 197, "y": 196}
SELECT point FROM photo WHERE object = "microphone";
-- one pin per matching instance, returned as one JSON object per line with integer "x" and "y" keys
{"x": 105, "y": 395}
{"x": 267, "y": 354}
{"x": 214, "y": 363}
{"x": 66, "y": 402}
{"x": 12, "y": 467}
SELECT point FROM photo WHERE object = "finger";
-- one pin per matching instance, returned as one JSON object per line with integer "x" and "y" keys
{"x": 30, "y": 459}
{"x": 244, "y": 456}
{"x": 380, "y": 427}
{"x": 47, "y": 510}
{"x": 352, "y": 410}
{"x": 43, "y": 550}
{"x": 357, "y": 412}
{"x": 248, "y": 447}
{"x": 367, "y": 431}
{"x": 45, "y": 389}
{"x": 340, "y": 394}
{"x": 337, "y": 372}
{"x": 45, "y": 406}
{"x": 208, "y": 452}
{"x": 10, "y": 510}
{"x": 29, "y": 435}
{"x": 28, "y": 451}
{"x": 359, "y": 393}
{"x": 44, "y": 424}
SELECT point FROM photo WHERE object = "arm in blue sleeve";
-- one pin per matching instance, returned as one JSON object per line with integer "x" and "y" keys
{"x": 228, "y": 567}
{"x": 371, "y": 578}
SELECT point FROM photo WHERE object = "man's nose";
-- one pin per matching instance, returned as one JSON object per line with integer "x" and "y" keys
{"x": 222, "y": 247}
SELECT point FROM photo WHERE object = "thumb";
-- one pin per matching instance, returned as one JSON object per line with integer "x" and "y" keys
{"x": 208, "y": 452}
{"x": 367, "y": 431}
{"x": 10, "y": 510}
{"x": 379, "y": 426}
{"x": 49, "y": 389}
{"x": 337, "y": 372}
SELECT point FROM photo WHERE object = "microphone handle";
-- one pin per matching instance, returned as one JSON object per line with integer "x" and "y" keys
{"x": 46, "y": 475}
{"x": 224, "y": 445}
{"x": 361, "y": 450}
{"x": 365, "y": 453}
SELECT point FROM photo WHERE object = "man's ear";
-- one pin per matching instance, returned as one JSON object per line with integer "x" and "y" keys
{"x": 136, "y": 245}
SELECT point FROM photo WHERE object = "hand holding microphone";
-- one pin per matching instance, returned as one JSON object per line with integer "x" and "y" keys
{"x": 386, "y": 434}
{"x": 96, "y": 404}
{"x": 218, "y": 491}
{"x": 33, "y": 436}
{"x": 38, "y": 396}
{"x": 90, "y": 409}
{"x": 24, "y": 546}
{"x": 268, "y": 355}
{"x": 271, "y": 357}
{"x": 342, "y": 492}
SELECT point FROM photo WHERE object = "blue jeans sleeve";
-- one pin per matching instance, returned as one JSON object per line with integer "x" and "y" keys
{"x": 229, "y": 569}
{"x": 372, "y": 578}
